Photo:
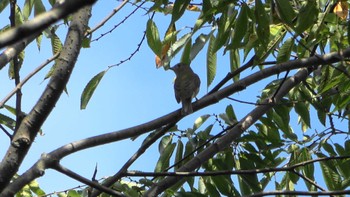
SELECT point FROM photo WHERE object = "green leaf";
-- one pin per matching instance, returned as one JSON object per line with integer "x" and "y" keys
{"x": 211, "y": 189}
{"x": 7, "y": 121}
{"x": 27, "y": 8}
{"x": 231, "y": 113}
{"x": 153, "y": 39}
{"x": 20, "y": 59}
{"x": 306, "y": 17}
{"x": 285, "y": 51}
{"x": 223, "y": 185}
{"x": 178, "y": 9}
{"x": 73, "y": 193}
{"x": 164, "y": 142}
{"x": 56, "y": 43}
{"x": 164, "y": 158}
{"x": 199, "y": 121}
{"x": 19, "y": 16}
{"x": 241, "y": 27}
{"x": 38, "y": 41}
{"x": 235, "y": 63}
{"x": 175, "y": 48}
{"x": 34, "y": 187}
{"x": 38, "y": 7}
{"x": 211, "y": 61}
{"x": 224, "y": 27}
{"x": 179, "y": 154}
{"x": 262, "y": 22}
{"x": 185, "y": 58}
{"x": 3, "y": 4}
{"x": 302, "y": 110}
{"x": 276, "y": 35}
{"x": 90, "y": 89}
{"x": 285, "y": 11}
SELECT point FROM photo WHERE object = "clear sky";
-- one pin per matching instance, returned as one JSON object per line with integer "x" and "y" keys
{"x": 130, "y": 94}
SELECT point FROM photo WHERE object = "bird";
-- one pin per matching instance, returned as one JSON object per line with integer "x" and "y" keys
{"x": 186, "y": 86}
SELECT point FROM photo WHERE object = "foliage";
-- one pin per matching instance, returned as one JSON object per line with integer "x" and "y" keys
{"x": 298, "y": 125}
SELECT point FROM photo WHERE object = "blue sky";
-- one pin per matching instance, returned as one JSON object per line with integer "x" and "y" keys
{"x": 130, "y": 94}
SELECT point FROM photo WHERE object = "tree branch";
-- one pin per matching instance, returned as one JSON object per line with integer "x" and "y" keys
{"x": 93, "y": 184}
{"x": 301, "y": 193}
{"x": 42, "y": 21}
{"x": 152, "y": 138}
{"x": 232, "y": 172}
{"x": 31, "y": 124}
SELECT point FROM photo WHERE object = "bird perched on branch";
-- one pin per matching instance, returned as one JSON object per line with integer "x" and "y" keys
{"x": 186, "y": 86}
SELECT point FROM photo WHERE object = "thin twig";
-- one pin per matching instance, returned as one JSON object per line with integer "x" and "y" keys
{"x": 232, "y": 172}
{"x": 5, "y": 131}
{"x": 30, "y": 75}
{"x": 115, "y": 10}
{"x": 117, "y": 25}
{"x": 86, "y": 181}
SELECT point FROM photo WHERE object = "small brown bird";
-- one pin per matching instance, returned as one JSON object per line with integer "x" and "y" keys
{"x": 186, "y": 86}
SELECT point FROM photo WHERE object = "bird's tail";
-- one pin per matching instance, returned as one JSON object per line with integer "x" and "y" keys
{"x": 186, "y": 107}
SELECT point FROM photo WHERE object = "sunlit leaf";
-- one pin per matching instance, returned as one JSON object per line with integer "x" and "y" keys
{"x": 153, "y": 39}
{"x": 341, "y": 9}
{"x": 73, "y": 193}
{"x": 200, "y": 121}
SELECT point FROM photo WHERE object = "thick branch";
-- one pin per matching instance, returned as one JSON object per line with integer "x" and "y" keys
{"x": 44, "y": 20}
{"x": 31, "y": 124}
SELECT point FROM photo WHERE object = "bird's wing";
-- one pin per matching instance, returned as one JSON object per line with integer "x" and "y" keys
{"x": 177, "y": 90}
